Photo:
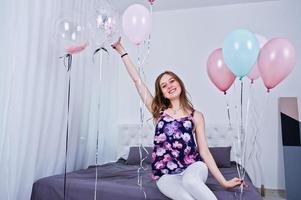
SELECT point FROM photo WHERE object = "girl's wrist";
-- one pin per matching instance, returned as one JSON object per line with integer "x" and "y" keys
{"x": 124, "y": 54}
{"x": 224, "y": 184}
{"x": 121, "y": 50}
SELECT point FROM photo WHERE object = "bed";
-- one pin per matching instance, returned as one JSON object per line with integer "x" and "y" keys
{"x": 118, "y": 180}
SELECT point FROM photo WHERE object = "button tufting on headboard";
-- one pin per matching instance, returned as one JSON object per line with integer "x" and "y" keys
{"x": 220, "y": 135}
{"x": 133, "y": 135}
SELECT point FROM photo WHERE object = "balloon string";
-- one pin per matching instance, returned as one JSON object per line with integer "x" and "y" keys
{"x": 140, "y": 100}
{"x": 228, "y": 112}
{"x": 100, "y": 50}
{"x": 98, "y": 113}
{"x": 242, "y": 134}
{"x": 67, "y": 60}
{"x": 146, "y": 56}
{"x": 68, "y": 65}
{"x": 140, "y": 178}
{"x": 253, "y": 137}
{"x": 246, "y": 132}
{"x": 141, "y": 109}
{"x": 96, "y": 166}
{"x": 141, "y": 61}
{"x": 237, "y": 139}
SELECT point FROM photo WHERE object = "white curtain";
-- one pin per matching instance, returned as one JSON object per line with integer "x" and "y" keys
{"x": 33, "y": 98}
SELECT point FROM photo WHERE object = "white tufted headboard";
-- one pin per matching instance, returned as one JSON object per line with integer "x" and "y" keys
{"x": 133, "y": 135}
{"x": 218, "y": 135}
{"x": 221, "y": 135}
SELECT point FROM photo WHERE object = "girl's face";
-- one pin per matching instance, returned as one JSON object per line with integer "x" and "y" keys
{"x": 170, "y": 87}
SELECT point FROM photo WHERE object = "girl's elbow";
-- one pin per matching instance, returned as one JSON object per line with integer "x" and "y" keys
{"x": 204, "y": 153}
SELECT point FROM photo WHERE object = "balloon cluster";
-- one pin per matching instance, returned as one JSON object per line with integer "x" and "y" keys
{"x": 103, "y": 26}
{"x": 247, "y": 54}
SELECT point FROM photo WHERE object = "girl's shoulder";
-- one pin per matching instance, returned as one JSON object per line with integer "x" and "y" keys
{"x": 198, "y": 116}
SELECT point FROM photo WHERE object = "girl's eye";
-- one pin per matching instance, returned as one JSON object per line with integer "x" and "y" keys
{"x": 163, "y": 86}
{"x": 172, "y": 80}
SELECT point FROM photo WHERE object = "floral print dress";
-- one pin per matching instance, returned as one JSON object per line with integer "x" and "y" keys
{"x": 174, "y": 145}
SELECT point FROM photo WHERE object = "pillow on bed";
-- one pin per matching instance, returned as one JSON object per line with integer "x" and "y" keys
{"x": 221, "y": 156}
{"x": 134, "y": 155}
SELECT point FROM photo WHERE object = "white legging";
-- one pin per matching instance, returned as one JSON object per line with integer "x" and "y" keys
{"x": 188, "y": 185}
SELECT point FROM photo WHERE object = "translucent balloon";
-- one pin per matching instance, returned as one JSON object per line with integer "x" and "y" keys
{"x": 64, "y": 28}
{"x": 71, "y": 33}
{"x": 105, "y": 23}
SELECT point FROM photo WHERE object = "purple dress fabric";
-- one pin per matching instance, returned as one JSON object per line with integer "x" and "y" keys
{"x": 174, "y": 145}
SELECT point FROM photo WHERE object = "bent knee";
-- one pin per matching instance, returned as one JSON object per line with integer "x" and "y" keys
{"x": 201, "y": 165}
{"x": 196, "y": 172}
{"x": 165, "y": 180}
{"x": 161, "y": 182}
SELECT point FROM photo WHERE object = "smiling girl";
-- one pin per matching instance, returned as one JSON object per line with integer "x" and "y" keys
{"x": 180, "y": 165}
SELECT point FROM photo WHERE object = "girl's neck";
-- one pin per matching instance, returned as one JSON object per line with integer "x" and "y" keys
{"x": 175, "y": 104}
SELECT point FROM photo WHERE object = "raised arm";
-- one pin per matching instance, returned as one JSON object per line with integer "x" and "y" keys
{"x": 206, "y": 155}
{"x": 143, "y": 91}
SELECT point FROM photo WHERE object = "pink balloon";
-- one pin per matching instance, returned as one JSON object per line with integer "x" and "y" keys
{"x": 254, "y": 74}
{"x": 276, "y": 60}
{"x": 218, "y": 71}
{"x": 136, "y": 23}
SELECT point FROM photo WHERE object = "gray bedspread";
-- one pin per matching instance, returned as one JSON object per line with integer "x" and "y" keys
{"x": 118, "y": 181}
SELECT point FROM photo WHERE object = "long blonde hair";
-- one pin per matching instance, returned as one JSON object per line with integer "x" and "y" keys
{"x": 161, "y": 103}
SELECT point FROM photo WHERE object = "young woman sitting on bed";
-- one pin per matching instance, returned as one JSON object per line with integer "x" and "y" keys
{"x": 180, "y": 166}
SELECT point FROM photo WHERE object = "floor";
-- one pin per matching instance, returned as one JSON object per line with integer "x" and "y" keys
{"x": 274, "y": 195}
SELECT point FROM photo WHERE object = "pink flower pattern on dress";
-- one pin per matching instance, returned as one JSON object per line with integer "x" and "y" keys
{"x": 160, "y": 165}
{"x": 160, "y": 138}
{"x": 177, "y": 145}
{"x": 171, "y": 165}
{"x": 189, "y": 159}
{"x": 187, "y": 150}
{"x": 167, "y": 145}
{"x": 160, "y": 151}
{"x": 187, "y": 124}
{"x": 167, "y": 158}
{"x": 186, "y": 137}
{"x": 175, "y": 153}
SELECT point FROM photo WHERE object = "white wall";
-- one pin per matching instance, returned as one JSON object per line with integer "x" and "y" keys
{"x": 182, "y": 41}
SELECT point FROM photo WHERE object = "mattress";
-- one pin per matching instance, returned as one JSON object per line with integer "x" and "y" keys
{"x": 117, "y": 180}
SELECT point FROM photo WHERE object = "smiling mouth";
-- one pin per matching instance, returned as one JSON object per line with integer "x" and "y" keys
{"x": 172, "y": 91}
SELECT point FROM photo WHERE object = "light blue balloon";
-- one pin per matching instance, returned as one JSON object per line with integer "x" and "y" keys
{"x": 240, "y": 51}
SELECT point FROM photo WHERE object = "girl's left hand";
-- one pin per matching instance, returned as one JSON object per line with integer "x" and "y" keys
{"x": 234, "y": 182}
